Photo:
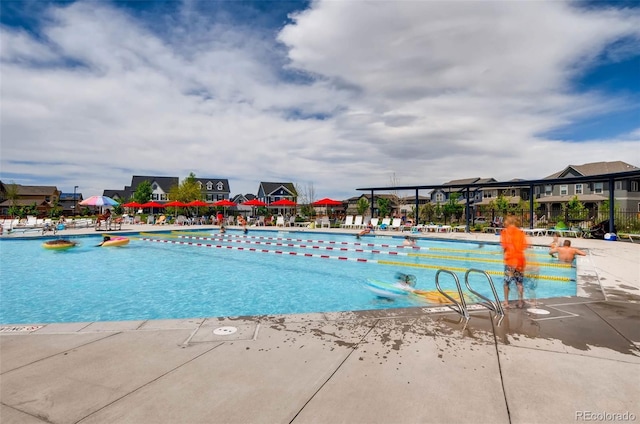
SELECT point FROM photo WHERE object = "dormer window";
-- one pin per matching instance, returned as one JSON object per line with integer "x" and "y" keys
{"x": 209, "y": 186}
{"x": 219, "y": 186}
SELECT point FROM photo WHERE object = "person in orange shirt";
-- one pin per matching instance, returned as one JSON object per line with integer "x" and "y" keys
{"x": 514, "y": 243}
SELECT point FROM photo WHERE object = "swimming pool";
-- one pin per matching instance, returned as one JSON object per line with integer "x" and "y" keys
{"x": 190, "y": 274}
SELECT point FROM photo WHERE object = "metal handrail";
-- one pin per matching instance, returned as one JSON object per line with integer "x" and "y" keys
{"x": 495, "y": 307}
{"x": 462, "y": 305}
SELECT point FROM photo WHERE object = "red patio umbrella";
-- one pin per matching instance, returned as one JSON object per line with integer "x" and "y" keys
{"x": 224, "y": 203}
{"x": 286, "y": 203}
{"x": 132, "y": 205}
{"x": 175, "y": 204}
{"x": 254, "y": 202}
{"x": 197, "y": 203}
{"x": 326, "y": 202}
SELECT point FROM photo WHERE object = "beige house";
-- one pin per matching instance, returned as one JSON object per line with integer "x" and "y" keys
{"x": 43, "y": 197}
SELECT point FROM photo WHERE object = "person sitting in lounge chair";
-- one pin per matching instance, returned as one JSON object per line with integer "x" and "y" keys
{"x": 104, "y": 217}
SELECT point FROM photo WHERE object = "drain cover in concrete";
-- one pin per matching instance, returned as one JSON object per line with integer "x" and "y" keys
{"x": 224, "y": 331}
{"x": 538, "y": 311}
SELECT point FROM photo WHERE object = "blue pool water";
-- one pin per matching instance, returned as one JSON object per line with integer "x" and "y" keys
{"x": 160, "y": 276}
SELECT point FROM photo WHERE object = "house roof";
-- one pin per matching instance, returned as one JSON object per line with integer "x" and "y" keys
{"x": 269, "y": 188}
{"x": 24, "y": 190}
{"x": 165, "y": 183}
{"x": 116, "y": 194}
{"x": 215, "y": 181}
{"x": 594, "y": 168}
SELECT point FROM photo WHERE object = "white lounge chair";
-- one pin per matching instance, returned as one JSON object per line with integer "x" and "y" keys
{"x": 385, "y": 224}
{"x": 396, "y": 224}
{"x": 325, "y": 222}
{"x": 348, "y": 222}
{"x": 280, "y": 221}
{"x": 358, "y": 222}
{"x": 374, "y": 223}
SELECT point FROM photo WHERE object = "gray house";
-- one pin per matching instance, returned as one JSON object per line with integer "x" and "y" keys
{"x": 592, "y": 194}
{"x": 272, "y": 192}
{"x": 214, "y": 189}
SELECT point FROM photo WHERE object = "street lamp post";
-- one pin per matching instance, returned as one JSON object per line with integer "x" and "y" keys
{"x": 75, "y": 200}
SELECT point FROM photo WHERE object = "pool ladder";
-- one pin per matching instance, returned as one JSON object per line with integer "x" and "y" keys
{"x": 461, "y": 306}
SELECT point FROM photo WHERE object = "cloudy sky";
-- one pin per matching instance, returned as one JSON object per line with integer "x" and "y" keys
{"x": 334, "y": 94}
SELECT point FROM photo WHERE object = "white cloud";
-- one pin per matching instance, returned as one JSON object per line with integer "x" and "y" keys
{"x": 428, "y": 91}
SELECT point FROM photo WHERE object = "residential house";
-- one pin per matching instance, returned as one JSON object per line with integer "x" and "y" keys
{"x": 551, "y": 197}
{"x": 214, "y": 189}
{"x": 69, "y": 203}
{"x": 160, "y": 187}
{"x": 239, "y": 199}
{"x": 271, "y": 192}
{"x": 43, "y": 197}
{"x": 352, "y": 204}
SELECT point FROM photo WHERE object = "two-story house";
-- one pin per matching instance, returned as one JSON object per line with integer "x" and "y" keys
{"x": 214, "y": 189}
{"x": 272, "y": 192}
{"x": 551, "y": 197}
{"x": 43, "y": 197}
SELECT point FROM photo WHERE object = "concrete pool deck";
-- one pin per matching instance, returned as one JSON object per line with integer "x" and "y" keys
{"x": 580, "y": 362}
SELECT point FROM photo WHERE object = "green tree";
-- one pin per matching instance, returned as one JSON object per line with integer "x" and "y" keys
{"x": 384, "y": 206}
{"x": 427, "y": 212}
{"x": 143, "y": 192}
{"x": 362, "y": 206}
{"x": 13, "y": 194}
{"x": 574, "y": 209}
{"x": 452, "y": 207}
{"x": 187, "y": 191}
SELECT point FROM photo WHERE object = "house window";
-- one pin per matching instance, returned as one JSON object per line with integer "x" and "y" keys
{"x": 597, "y": 188}
{"x": 618, "y": 185}
{"x": 564, "y": 190}
{"x": 634, "y": 186}
{"x": 548, "y": 190}
{"x": 536, "y": 190}
{"x": 513, "y": 193}
{"x": 209, "y": 186}
{"x": 578, "y": 188}
{"x": 638, "y": 207}
{"x": 439, "y": 197}
{"x": 219, "y": 186}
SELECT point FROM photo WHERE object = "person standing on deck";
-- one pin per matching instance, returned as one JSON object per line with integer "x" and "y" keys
{"x": 514, "y": 243}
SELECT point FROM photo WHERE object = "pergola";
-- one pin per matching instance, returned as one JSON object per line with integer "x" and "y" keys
{"x": 610, "y": 178}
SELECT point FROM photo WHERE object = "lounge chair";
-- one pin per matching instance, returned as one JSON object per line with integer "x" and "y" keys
{"x": 358, "y": 222}
{"x": 291, "y": 222}
{"x": 374, "y": 223}
{"x": 280, "y": 221}
{"x": 348, "y": 222}
{"x": 325, "y": 222}
{"x": 385, "y": 224}
{"x": 161, "y": 220}
{"x": 396, "y": 224}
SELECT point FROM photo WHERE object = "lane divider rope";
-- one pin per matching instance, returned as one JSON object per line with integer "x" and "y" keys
{"x": 344, "y": 258}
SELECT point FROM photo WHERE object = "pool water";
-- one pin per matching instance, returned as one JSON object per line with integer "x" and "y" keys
{"x": 191, "y": 275}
